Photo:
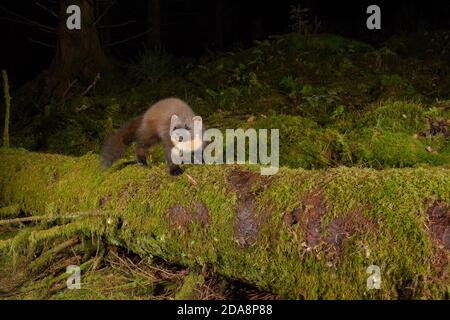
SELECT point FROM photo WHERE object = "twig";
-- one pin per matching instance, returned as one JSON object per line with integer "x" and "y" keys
{"x": 47, "y": 256}
{"x": 42, "y": 43}
{"x": 71, "y": 84}
{"x": 116, "y": 25}
{"x": 27, "y": 21}
{"x": 191, "y": 179}
{"x": 104, "y": 12}
{"x": 52, "y": 217}
{"x": 128, "y": 39}
{"x": 97, "y": 77}
{"x": 53, "y": 13}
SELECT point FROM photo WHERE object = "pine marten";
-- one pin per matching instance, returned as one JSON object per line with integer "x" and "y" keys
{"x": 155, "y": 125}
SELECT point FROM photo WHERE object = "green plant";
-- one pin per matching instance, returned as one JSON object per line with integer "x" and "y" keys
{"x": 150, "y": 65}
{"x": 288, "y": 84}
{"x": 301, "y": 21}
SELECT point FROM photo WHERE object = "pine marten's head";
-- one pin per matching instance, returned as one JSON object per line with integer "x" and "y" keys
{"x": 186, "y": 133}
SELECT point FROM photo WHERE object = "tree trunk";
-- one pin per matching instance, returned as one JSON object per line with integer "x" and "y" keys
{"x": 219, "y": 24}
{"x": 154, "y": 22}
{"x": 300, "y": 234}
{"x": 79, "y": 55}
{"x": 106, "y": 22}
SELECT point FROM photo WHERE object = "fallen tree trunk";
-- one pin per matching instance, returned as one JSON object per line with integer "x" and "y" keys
{"x": 300, "y": 234}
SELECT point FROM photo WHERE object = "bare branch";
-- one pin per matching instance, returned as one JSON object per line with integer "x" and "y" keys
{"x": 104, "y": 12}
{"x": 47, "y": 30}
{"x": 71, "y": 215}
{"x": 70, "y": 85}
{"x": 128, "y": 39}
{"x": 53, "y": 13}
{"x": 117, "y": 25}
{"x": 27, "y": 21}
{"x": 97, "y": 77}
{"x": 48, "y": 45}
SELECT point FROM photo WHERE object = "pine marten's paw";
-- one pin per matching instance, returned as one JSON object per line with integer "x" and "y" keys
{"x": 176, "y": 171}
{"x": 142, "y": 163}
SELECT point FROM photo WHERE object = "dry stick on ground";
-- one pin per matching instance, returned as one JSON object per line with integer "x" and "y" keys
{"x": 136, "y": 269}
{"x": 8, "y": 107}
{"x": 53, "y": 283}
{"x": 40, "y": 262}
{"x": 133, "y": 271}
{"x": 53, "y": 217}
{"x": 69, "y": 86}
{"x": 192, "y": 180}
{"x": 49, "y": 255}
{"x": 97, "y": 77}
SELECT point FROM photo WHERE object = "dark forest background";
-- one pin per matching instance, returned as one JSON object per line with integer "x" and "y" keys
{"x": 193, "y": 27}
{"x": 339, "y": 92}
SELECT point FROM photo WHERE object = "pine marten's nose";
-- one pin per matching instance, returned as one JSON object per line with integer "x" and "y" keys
{"x": 180, "y": 139}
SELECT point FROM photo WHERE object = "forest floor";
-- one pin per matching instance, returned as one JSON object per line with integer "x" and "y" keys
{"x": 336, "y": 101}
{"x": 116, "y": 274}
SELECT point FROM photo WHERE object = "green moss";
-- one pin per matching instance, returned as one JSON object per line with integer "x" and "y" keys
{"x": 107, "y": 284}
{"x": 9, "y": 211}
{"x": 303, "y": 143}
{"x": 339, "y": 84}
{"x": 394, "y": 200}
{"x": 395, "y": 116}
{"x": 386, "y": 149}
{"x": 190, "y": 287}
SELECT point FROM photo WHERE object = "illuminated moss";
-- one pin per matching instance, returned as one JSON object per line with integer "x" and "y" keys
{"x": 389, "y": 229}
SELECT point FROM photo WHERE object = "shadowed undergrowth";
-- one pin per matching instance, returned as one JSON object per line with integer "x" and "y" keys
{"x": 335, "y": 100}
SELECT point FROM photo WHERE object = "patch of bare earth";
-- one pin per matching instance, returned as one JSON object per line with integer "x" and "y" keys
{"x": 309, "y": 218}
{"x": 438, "y": 227}
{"x": 247, "y": 186}
{"x": 343, "y": 228}
{"x": 104, "y": 200}
{"x": 183, "y": 217}
{"x": 436, "y": 127}
{"x": 438, "y": 223}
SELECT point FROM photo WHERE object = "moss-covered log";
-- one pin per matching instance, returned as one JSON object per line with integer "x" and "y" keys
{"x": 300, "y": 234}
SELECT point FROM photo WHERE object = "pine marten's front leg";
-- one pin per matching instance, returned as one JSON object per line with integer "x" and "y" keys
{"x": 174, "y": 169}
{"x": 142, "y": 145}
{"x": 141, "y": 154}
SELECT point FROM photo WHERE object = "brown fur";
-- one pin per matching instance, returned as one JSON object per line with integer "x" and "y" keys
{"x": 147, "y": 129}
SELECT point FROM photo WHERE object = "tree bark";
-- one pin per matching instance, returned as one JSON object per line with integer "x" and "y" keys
{"x": 219, "y": 23}
{"x": 299, "y": 234}
{"x": 79, "y": 54}
{"x": 154, "y": 23}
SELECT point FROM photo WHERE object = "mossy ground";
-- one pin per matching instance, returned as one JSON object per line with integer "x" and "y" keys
{"x": 336, "y": 101}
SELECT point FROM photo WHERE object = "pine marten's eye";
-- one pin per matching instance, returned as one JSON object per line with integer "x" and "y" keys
{"x": 187, "y": 127}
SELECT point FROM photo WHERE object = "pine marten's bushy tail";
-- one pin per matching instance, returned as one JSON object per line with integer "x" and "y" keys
{"x": 116, "y": 144}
